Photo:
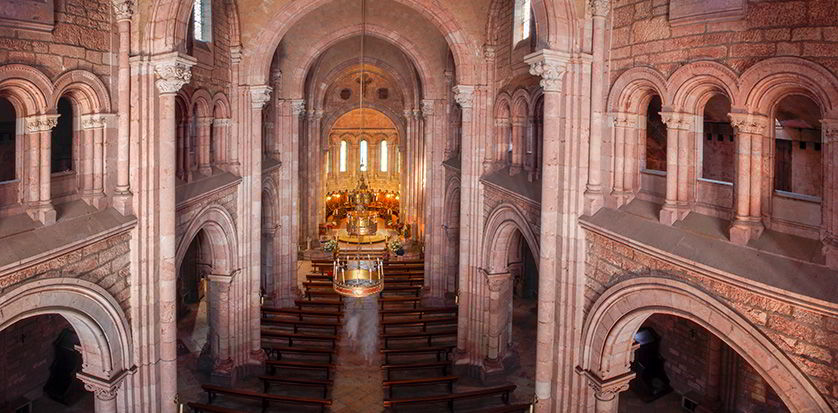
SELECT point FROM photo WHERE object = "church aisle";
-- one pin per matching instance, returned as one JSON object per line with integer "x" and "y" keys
{"x": 358, "y": 378}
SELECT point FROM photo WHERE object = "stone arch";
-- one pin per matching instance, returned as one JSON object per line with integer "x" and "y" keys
{"x": 319, "y": 94}
{"x": 166, "y": 29}
{"x": 220, "y": 106}
{"x": 503, "y": 104}
{"x": 633, "y": 89}
{"x": 502, "y": 223}
{"x": 221, "y": 231}
{"x": 202, "y": 100}
{"x": 424, "y": 72}
{"x": 94, "y": 314}
{"x": 268, "y": 39}
{"x": 617, "y": 314}
{"x": 270, "y": 204}
{"x": 764, "y": 84}
{"x": 85, "y": 88}
{"x": 28, "y": 89}
{"x": 521, "y": 103}
{"x": 555, "y": 23}
{"x": 397, "y": 119}
{"x": 692, "y": 85}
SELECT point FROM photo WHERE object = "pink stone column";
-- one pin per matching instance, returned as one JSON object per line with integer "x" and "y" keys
{"x": 123, "y": 12}
{"x": 40, "y": 132}
{"x": 594, "y": 196}
{"x": 464, "y": 96}
{"x": 173, "y": 71}
{"x": 676, "y": 124}
{"x": 606, "y": 391}
{"x": 219, "y": 323}
{"x": 86, "y": 132}
{"x": 316, "y": 168}
{"x": 750, "y": 131}
{"x": 203, "y": 125}
{"x": 518, "y": 127}
{"x": 829, "y": 130}
{"x": 624, "y": 125}
{"x": 252, "y": 172}
{"x": 500, "y": 318}
{"x": 104, "y": 393}
{"x": 221, "y": 132}
{"x": 550, "y": 66}
{"x": 98, "y": 194}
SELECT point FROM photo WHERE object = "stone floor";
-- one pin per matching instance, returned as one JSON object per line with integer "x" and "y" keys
{"x": 630, "y": 403}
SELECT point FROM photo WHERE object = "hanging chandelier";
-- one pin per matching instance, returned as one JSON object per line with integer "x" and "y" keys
{"x": 356, "y": 275}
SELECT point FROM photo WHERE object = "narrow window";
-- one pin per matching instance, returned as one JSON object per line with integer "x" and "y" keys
{"x": 383, "y": 156}
{"x": 7, "y": 140}
{"x": 62, "y": 138}
{"x": 797, "y": 167}
{"x": 363, "y": 156}
{"x": 343, "y": 156}
{"x": 523, "y": 17}
{"x": 202, "y": 20}
{"x": 655, "y": 137}
{"x": 718, "y": 155}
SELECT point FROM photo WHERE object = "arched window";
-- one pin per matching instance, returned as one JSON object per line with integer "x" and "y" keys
{"x": 718, "y": 155}
{"x": 363, "y": 156}
{"x": 383, "y": 156}
{"x": 62, "y": 138}
{"x": 202, "y": 20}
{"x": 343, "y": 156}
{"x": 798, "y": 156}
{"x": 655, "y": 137}
{"x": 7, "y": 140}
{"x": 523, "y": 18}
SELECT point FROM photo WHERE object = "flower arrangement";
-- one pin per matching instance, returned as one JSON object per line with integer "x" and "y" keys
{"x": 396, "y": 246}
{"x": 330, "y": 245}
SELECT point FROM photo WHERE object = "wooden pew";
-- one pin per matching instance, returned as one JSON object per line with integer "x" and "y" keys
{"x": 419, "y": 311}
{"x": 413, "y": 301}
{"x": 389, "y": 385}
{"x": 275, "y": 351}
{"x": 318, "y": 304}
{"x": 445, "y": 367}
{"x": 441, "y": 352}
{"x": 270, "y": 311}
{"x": 272, "y": 365}
{"x": 208, "y": 408}
{"x": 291, "y": 381}
{"x": 429, "y": 335}
{"x": 298, "y": 324}
{"x": 509, "y": 408}
{"x": 417, "y": 322}
{"x": 503, "y": 391}
{"x": 287, "y": 335}
{"x": 264, "y": 398}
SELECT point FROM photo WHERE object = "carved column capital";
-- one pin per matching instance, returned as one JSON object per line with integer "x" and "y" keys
{"x": 749, "y": 123}
{"x": 174, "y": 70}
{"x": 103, "y": 389}
{"x": 276, "y": 77}
{"x": 606, "y": 389}
{"x": 222, "y": 122}
{"x": 551, "y": 66}
{"x": 123, "y": 9}
{"x": 235, "y": 54}
{"x": 427, "y": 108}
{"x": 496, "y": 282}
{"x": 599, "y": 7}
{"x": 829, "y": 129}
{"x": 94, "y": 120}
{"x": 41, "y": 123}
{"x": 259, "y": 96}
{"x": 625, "y": 120}
{"x": 677, "y": 120}
{"x": 464, "y": 95}
{"x": 489, "y": 52}
{"x": 298, "y": 106}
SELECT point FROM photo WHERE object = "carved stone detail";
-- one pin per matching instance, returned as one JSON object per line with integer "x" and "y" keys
{"x": 489, "y": 52}
{"x": 677, "y": 120}
{"x": 298, "y": 106}
{"x": 259, "y": 96}
{"x": 427, "y": 108}
{"x": 625, "y": 120}
{"x": 830, "y": 130}
{"x": 222, "y": 122}
{"x": 94, "y": 121}
{"x": 41, "y": 123}
{"x": 599, "y": 7}
{"x": 550, "y": 66}
{"x": 464, "y": 95}
{"x": 174, "y": 72}
{"x": 123, "y": 9}
{"x": 496, "y": 282}
{"x": 749, "y": 123}
{"x": 606, "y": 389}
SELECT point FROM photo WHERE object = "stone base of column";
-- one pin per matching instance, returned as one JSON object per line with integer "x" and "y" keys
{"x": 594, "y": 200}
{"x": 671, "y": 214}
{"x": 122, "y": 202}
{"x": 830, "y": 251}
{"x": 514, "y": 170}
{"x": 745, "y": 229}
{"x": 223, "y": 373}
{"x": 496, "y": 371}
{"x": 622, "y": 198}
{"x": 42, "y": 212}
{"x": 205, "y": 170}
{"x": 96, "y": 200}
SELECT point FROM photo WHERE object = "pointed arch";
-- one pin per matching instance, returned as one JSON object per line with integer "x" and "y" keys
{"x": 221, "y": 231}
{"x": 499, "y": 228}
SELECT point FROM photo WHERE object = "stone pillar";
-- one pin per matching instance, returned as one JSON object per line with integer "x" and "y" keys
{"x": 594, "y": 196}
{"x": 677, "y": 125}
{"x": 174, "y": 71}
{"x": 606, "y": 391}
{"x": 93, "y": 188}
{"x": 203, "y": 129}
{"x": 518, "y": 131}
{"x": 221, "y": 132}
{"x": 316, "y": 169}
{"x": 122, "y": 198}
{"x": 625, "y": 125}
{"x": 219, "y": 324}
{"x": 37, "y": 196}
{"x": 500, "y": 317}
{"x": 252, "y": 174}
{"x": 297, "y": 111}
{"x": 435, "y": 199}
{"x": 829, "y": 130}
{"x": 407, "y": 186}
{"x": 750, "y": 131}
{"x": 550, "y": 66}
{"x": 464, "y": 96}
{"x": 104, "y": 391}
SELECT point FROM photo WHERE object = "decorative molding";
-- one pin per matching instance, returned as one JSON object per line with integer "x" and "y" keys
{"x": 41, "y": 123}
{"x": 599, "y": 7}
{"x": 222, "y": 122}
{"x": 749, "y": 123}
{"x": 427, "y": 107}
{"x": 204, "y": 121}
{"x": 259, "y": 96}
{"x": 174, "y": 70}
{"x": 496, "y": 282}
{"x": 489, "y": 52}
{"x": 829, "y": 129}
{"x": 464, "y": 95}
{"x": 94, "y": 121}
{"x": 626, "y": 120}
{"x": 298, "y": 106}
{"x": 123, "y": 9}
{"x": 606, "y": 389}
{"x": 104, "y": 389}
{"x": 677, "y": 120}
{"x": 235, "y": 54}
{"x": 550, "y": 65}
{"x": 276, "y": 77}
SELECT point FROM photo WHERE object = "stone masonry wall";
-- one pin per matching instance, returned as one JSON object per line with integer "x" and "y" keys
{"x": 213, "y": 70}
{"x": 531, "y": 210}
{"x": 642, "y": 35}
{"x": 226, "y": 199}
{"x": 808, "y": 338}
{"x": 105, "y": 262}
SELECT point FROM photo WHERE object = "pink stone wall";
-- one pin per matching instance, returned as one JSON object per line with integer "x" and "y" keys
{"x": 213, "y": 69}
{"x": 26, "y": 355}
{"x": 642, "y": 35}
{"x": 808, "y": 338}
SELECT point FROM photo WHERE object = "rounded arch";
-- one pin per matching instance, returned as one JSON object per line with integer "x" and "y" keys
{"x": 764, "y": 84}
{"x": 693, "y": 84}
{"x": 28, "y": 87}
{"x": 555, "y": 23}
{"x": 611, "y": 323}
{"x": 94, "y": 314}
{"x": 270, "y": 205}
{"x": 202, "y": 101}
{"x": 397, "y": 120}
{"x": 501, "y": 225}
{"x": 503, "y": 104}
{"x": 86, "y": 90}
{"x": 220, "y": 229}
{"x": 632, "y": 90}
{"x": 319, "y": 93}
{"x": 284, "y": 18}
{"x": 220, "y": 106}
{"x": 521, "y": 103}
{"x": 166, "y": 29}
